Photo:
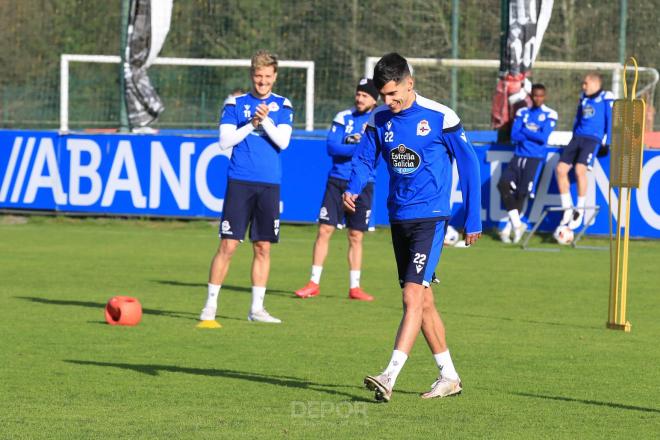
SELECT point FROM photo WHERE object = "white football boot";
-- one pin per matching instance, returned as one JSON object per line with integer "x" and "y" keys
{"x": 381, "y": 385}
{"x": 263, "y": 316}
{"x": 519, "y": 232}
{"x": 444, "y": 387}
{"x": 208, "y": 314}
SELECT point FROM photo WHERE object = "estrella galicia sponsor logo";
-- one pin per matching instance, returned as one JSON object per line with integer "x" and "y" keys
{"x": 588, "y": 111}
{"x": 404, "y": 160}
{"x": 532, "y": 127}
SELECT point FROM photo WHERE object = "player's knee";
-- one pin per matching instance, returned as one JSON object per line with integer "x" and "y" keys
{"x": 261, "y": 249}
{"x": 413, "y": 300}
{"x": 325, "y": 231}
{"x": 228, "y": 247}
{"x": 354, "y": 236}
{"x": 562, "y": 169}
{"x": 580, "y": 170}
{"x": 429, "y": 303}
{"x": 504, "y": 186}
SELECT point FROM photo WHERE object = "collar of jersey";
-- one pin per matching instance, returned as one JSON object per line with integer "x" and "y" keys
{"x": 594, "y": 95}
{"x": 410, "y": 109}
{"x": 261, "y": 99}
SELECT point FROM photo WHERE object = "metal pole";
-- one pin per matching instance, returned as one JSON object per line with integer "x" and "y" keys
{"x": 454, "y": 52}
{"x": 123, "y": 116}
{"x": 623, "y": 18}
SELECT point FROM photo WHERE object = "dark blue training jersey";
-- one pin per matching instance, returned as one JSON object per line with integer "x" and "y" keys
{"x": 531, "y": 129}
{"x": 594, "y": 116}
{"x": 256, "y": 158}
{"x": 419, "y": 145}
{"x": 339, "y": 145}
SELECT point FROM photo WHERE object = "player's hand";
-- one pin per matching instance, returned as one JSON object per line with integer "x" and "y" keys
{"x": 471, "y": 239}
{"x": 603, "y": 150}
{"x": 349, "y": 201}
{"x": 262, "y": 111}
{"x": 353, "y": 138}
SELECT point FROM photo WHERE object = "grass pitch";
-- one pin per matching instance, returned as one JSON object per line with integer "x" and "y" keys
{"x": 526, "y": 331}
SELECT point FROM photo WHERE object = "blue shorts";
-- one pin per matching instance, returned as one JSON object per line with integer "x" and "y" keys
{"x": 417, "y": 249}
{"x": 332, "y": 210}
{"x": 521, "y": 175}
{"x": 255, "y": 203}
{"x": 580, "y": 150}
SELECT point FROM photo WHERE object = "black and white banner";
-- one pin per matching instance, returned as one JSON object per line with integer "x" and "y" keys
{"x": 526, "y": 23}
{"x": 148, "y": 25}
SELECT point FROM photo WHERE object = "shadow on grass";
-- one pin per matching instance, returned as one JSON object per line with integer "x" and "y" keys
{"x": 283, "y": 381}
{"x": 527, "y": 321}
{"x": 101, "y": 306}
{"x": 589, "y": 402}
{"x": 229, "y": 287}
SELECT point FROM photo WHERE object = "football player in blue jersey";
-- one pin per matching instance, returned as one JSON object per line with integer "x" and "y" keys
{"x": 418, "y": 139}
{"x": 343, "y": 139}
{"x": 258, "y": 126}
{"x": 591, "y": 136}
{"x": 530, "y": 131}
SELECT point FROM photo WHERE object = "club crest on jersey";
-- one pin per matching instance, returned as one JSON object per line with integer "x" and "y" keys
{"x": 542, "y": 117}
{"x": 389, "y": 124}
{"x": 423, "y": 128}
{"x": 404, "y": 160}
{"x": 273, "y": 107}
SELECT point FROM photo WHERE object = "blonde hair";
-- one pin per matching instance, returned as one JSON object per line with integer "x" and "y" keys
{"x": 263, "y": 58}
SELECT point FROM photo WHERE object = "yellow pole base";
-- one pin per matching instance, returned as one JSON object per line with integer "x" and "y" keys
{"x": 614, "y": 326}
{"x": 208, "y": 324}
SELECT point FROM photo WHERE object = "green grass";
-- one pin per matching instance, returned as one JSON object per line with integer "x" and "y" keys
{"x": 526, "y": 331}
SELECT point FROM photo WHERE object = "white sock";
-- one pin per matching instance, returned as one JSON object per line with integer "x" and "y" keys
{"x": 212, "y": 298}
{"x": 316, "y": 274}
{"x": 354, "y": 278}
{"x": 566, "y": 200}
{"x": 396, "y": 364}
{"x": 514, "y": 215}
{"x": 258, "y": 294}
{"x": 581, "y": 201}
{"x": 445, "y": 365}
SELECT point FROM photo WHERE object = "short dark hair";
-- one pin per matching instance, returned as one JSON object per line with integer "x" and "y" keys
{"x": 391, "y": 67}
{"x": 538, "y": 86}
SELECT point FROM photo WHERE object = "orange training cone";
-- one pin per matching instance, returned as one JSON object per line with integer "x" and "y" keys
{"x": 123, "y": 310}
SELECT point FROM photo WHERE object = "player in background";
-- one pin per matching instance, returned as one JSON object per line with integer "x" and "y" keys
{"x": 419, "y": 139}
{"x": 343, "y": 139}
{"x": 258, "y": 125}
{"x": 530, "y": 132}
{"x": 591, "y": 135}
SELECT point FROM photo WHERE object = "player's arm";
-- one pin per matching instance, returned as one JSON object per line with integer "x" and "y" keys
{"x": 229, "y": 134}
{"x": 364, "y": 162}
{"x": 516, "y": 130}
{"x": 339, "y": 145}
{"x": 469, "y": 177}
{"x": 609, "y": 102}
{"x": 541, "y": 136}
{"x": 279, "y": 134}
{"x": 578, "y": 115}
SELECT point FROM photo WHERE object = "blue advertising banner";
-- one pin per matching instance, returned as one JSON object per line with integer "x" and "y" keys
{"x": 185, "y": 176}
